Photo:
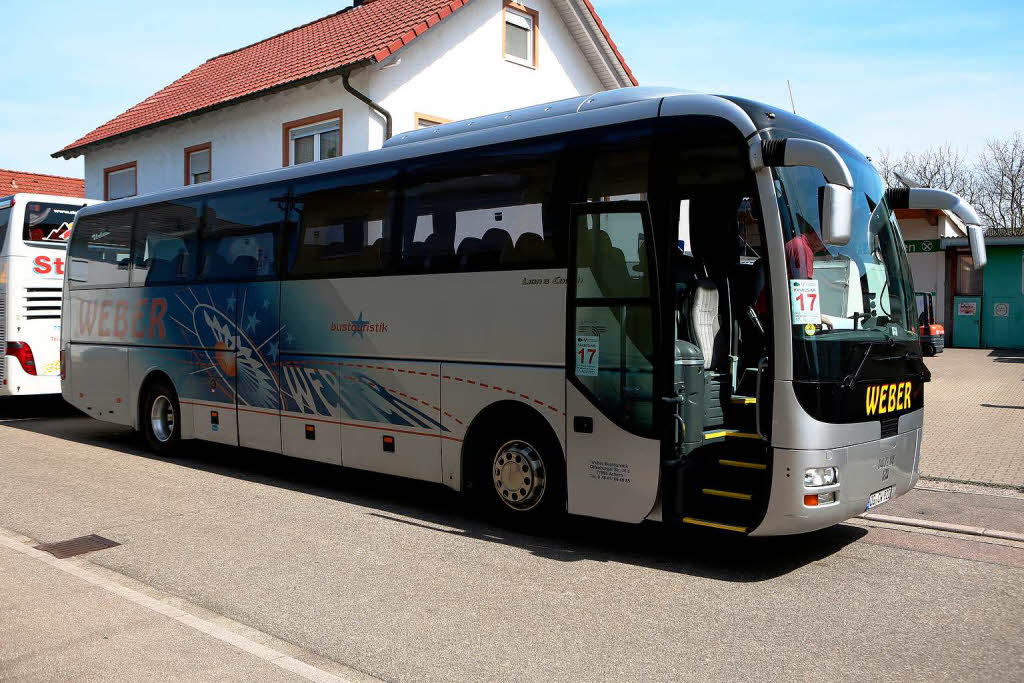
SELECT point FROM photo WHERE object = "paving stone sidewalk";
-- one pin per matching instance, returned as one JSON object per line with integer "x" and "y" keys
{"x": 974, "y": 417}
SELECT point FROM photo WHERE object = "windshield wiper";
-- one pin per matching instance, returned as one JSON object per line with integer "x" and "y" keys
{"x": 851, "y": 378}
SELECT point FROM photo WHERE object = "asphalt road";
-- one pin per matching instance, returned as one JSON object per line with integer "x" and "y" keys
{"x": 361, "y": 577}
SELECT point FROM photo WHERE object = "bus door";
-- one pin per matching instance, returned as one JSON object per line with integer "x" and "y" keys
{"x": 612, "y": 444}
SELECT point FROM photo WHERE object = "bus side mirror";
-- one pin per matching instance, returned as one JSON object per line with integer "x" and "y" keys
{"x": 836, "y": 215}
{"x": 977, "y": 239}
{"x": 941, "y": 200}
{"x": 836, "y": 197}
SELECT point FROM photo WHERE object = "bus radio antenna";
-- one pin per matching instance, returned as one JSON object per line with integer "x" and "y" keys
{"x": 791, "y": 103}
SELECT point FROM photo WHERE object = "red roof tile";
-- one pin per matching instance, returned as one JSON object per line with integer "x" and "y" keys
{"x": 368, "y": 33}
{"x": 608, "y": 37}
{"x": 12, "y": 182}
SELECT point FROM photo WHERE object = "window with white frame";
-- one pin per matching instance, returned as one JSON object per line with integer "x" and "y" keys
{"x": 316, "y": 142}
{"x": 520, "y": 38}
{"x": 198, "y": 165}
{"x": 120, "y": 182}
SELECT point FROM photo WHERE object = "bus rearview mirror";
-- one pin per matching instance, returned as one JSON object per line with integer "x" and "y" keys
{"x": 836, "y": 215}
{"x": 976, "y": 237}
{"x": 835, "y": 197}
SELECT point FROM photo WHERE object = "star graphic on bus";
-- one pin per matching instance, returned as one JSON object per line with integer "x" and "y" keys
{"x": 251, "y": 323}
{"x": 359, "y": 326}
{"x": 231, "y": 301}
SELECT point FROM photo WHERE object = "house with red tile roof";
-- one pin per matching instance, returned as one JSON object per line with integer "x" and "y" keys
{"x": 344, "y": 83}
{"x": 15, "y": 182}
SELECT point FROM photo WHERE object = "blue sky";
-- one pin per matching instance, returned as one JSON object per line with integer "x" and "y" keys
{"x": 898, "y": 75}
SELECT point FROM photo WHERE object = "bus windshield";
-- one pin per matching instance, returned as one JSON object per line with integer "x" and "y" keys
{"x": 843, "y": 297}
{"x": 50, "y": 223}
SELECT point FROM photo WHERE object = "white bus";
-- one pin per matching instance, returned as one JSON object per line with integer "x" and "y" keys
{"x": 502, "y": 306}
{"x": 34, "y": 231}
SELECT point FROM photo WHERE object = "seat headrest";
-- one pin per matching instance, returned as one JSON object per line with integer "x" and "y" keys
{"x": 714, "y": 235}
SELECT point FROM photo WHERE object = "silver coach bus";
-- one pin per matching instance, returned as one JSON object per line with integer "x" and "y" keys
{"x": 643, "y": 304}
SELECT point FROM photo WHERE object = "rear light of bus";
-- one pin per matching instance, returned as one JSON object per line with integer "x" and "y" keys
{"x": 23, "y": 352}
{"x": 63, "y": 367}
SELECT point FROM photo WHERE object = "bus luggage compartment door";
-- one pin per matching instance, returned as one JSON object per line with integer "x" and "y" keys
{"x": 257, "y": 379}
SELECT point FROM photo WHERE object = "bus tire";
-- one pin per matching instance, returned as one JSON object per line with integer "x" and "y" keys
{"x": 160, "y": 417}
{"x": 520, "y": 476}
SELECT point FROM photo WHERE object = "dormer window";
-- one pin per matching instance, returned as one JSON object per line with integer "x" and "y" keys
{"x": 520, "y": 38}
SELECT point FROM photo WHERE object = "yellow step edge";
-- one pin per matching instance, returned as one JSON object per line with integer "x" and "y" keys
{"x": 744, "y": 464}
{"x": 714, "y": 525}
{"x": 742, "y": 435}
{"x": 744, "y": 400}
{"x": 727, "y": 494}
{"x": 730, "y": 434}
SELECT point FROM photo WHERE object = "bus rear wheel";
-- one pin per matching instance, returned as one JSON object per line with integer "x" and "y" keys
{"x": 520, "y": 478}
{"x": 161, "y": 418}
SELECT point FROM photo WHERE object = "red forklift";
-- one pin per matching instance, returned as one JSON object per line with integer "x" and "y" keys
{"x": 932, "y": 334}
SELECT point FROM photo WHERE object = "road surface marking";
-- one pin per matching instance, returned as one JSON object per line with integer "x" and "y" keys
{"x": 264, "y": 652}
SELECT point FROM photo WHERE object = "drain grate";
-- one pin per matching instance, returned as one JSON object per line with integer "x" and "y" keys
{"x": 77, "y": 546}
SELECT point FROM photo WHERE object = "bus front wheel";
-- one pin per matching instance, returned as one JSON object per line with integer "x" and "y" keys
{"x": 161, "y": 418}
{"x": 520, "y": 477}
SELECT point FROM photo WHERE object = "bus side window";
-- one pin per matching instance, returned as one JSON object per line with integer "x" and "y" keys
{"x": 100, "y": 249}
{"x": 344, "y": 225}
{"x": 240, "y": 234}
{"x": 166, "y": 244}
{"x": 483, "y": 212}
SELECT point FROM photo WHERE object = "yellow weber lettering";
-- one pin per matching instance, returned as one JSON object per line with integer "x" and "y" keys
{"x": 872, "y": 400}
{"x": 887, "y": 398}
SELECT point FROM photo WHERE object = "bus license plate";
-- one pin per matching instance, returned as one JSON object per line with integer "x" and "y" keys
{"x": 879, "y": 497}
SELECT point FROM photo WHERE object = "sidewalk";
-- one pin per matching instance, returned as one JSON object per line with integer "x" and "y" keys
{"x": 55, "y": 626}
{"x": 974, "y": 417}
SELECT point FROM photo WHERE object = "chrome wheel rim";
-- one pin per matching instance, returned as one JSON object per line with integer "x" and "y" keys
{"x": 161, "y": 419}
{"x": 519, "y": 475}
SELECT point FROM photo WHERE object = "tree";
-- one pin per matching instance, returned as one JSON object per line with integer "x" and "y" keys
{"x": 944, "y": 167}
{"x": 993, "y": 182}
{"x": 1000, "y": 171}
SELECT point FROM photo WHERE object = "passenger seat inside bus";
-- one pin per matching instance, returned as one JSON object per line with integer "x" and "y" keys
{"x": 711, "y": 327}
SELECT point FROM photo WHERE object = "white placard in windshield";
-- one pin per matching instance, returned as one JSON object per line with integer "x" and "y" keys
{"x": 587, "y": 349}
{"x": 805, "y": 302}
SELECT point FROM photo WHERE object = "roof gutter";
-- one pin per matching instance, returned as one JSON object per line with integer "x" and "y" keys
{"x": 388, "y": 122}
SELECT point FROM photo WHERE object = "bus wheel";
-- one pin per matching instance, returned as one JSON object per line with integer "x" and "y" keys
{"x": 161, "y": 418}
{"x": 521, "y": 478}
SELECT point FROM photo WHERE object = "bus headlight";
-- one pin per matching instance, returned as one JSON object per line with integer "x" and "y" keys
{"x": 820, "y": 476}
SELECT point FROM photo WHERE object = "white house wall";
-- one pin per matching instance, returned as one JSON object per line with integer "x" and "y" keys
{"x": 246, "y": 137}
{"x": 929, "y": 269}
{"x": 455, "y": 70}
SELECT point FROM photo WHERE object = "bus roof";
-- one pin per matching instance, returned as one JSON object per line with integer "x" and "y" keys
{"x": 600, "y": 109}
{"x": 37, "y": 197}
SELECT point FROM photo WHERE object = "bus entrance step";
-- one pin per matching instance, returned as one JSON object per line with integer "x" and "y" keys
{"x": 731, "y": 495}
{"x": 714, "y": 525}
{"x": 742, "y": 464}
{"x": 714, "y": 434}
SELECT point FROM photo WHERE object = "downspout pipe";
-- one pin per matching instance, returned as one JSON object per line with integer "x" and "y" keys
{"x": 388, "y": 123}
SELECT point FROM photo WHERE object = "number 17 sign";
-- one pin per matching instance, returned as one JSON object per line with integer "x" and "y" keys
{"x": 805, "y": 302}
{"x": 586, "y": 356}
